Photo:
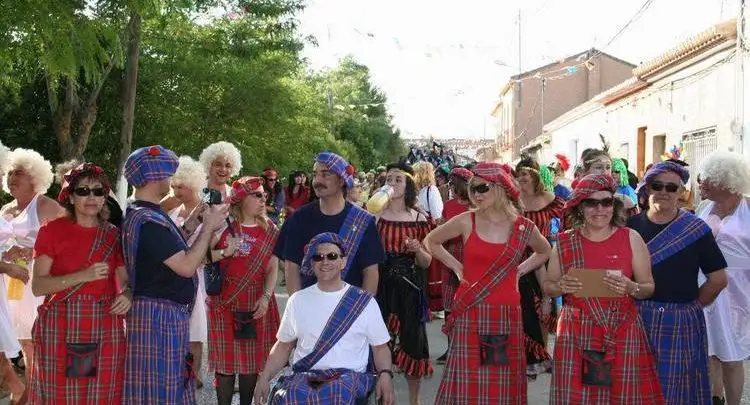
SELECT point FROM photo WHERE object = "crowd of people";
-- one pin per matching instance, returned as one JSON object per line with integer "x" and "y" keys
{"x": 106, "y": 305}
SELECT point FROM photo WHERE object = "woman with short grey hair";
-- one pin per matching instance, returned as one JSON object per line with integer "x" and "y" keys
{"x": 724, "y": 180}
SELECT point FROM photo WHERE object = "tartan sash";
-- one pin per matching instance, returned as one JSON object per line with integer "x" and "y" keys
{"x": 352, "y": 304}
{"x": 508, "y": 259}
{"x": 352, "y": 231}
{"x": 107, "y": 236}
{"x": 131, "y": 228}
{"x": 262, "y": 252}
{"x": 610, "y": 315}
{"x": 677, "y": 236}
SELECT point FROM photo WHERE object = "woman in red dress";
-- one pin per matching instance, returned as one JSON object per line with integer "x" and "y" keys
{"x": 296, "y": 193}
{"x": 486, "y": 358}
{"x": 79, "y": 335}
{"x": 244, "y": 317}
{"x": 460, "y": 203}
{"x": 602, "y": 355}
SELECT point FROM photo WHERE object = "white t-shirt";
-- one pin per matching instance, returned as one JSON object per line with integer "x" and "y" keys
{"x": 432, "y": 205}
{"x": 307, "y": 312}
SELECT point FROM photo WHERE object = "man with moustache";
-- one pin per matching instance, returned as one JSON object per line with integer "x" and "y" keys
{"x": 162, "y": 273}
{"x": 332, "y": 177}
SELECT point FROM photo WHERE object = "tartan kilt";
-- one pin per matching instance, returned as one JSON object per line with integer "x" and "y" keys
{"x": 465, "y": 381}
{"x": 156, "y": 368}
{"x": 79, "y": 319}
{"x": 634, "y": 379}
{"x": 227, "y": 355}
{"x": 678, "y": 338}
{"x": 345, "y": 388}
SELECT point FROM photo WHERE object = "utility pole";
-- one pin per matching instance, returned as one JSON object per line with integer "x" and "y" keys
{"x": 520, "y": 70}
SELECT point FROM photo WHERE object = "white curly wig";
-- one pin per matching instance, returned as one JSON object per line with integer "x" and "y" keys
{"x": 727, "y": 170}
{"x": 4, "y": 152}
{"x": 225, "y": 150}
{"x": 191, "y": 174}
{"x": 39, "y": 168}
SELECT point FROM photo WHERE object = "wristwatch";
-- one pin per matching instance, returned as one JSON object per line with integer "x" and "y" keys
{"x": 386, "y": 371}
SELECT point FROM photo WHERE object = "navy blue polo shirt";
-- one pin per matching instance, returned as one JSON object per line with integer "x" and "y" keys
{"x": 309, "y": 221}
{"x": 153, "y": 279}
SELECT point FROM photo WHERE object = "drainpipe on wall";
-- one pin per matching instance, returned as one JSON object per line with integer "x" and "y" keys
{"x": 740, "y": 127}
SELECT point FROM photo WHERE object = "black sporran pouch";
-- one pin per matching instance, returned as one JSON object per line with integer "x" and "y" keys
{"x": 493, "y": 350}
{"x": 81, "y": 360}
{"x": 596, "y": 371}
{"x": 317, "y": 381}
{"x": 244, "y": 325}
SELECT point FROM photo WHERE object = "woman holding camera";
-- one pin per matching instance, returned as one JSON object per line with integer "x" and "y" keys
{"x": 243, "y": 318}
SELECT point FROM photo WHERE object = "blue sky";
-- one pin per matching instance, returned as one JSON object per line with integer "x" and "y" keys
{"x": 442, "y": 63}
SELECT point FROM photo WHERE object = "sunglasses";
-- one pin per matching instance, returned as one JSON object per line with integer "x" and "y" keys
{"x": 669, "y": 187}
{"x": 480, "y": 188}
{"x": 86, "y": 191}
{"x": 259, "y": 195}
{"x": 593, "y": 202}
{"x": 330, "y": 256}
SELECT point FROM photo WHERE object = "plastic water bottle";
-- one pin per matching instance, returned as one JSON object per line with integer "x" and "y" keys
{"x": 379, "y": 199}
{"x": 15, "y": 286}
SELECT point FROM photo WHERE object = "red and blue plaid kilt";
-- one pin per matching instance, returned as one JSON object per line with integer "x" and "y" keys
{"x": 677, "y": 333}
{"x": 158, "y": 333}
{"x": 634, "y": 379}
{"x": 227, "y": 355}
{"x": 342, "y": 387}
{"x": 79, "y": 319}
{"x": 465, "y": 381}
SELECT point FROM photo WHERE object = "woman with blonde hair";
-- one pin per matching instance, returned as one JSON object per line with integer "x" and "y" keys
{"x": 29, "y": 175}
{"x": 428, "y": 194}
{"x": 486, "y": 359}
{"x": 243, "y": 318}
{"x": 187, "y": 184}
{"x": 724, "y": 180}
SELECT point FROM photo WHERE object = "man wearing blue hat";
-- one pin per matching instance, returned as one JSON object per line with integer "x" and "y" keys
{"x": 162, "y": 272}
{"x": 332, "y": 177}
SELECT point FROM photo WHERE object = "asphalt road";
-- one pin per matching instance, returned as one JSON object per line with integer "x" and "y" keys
{"x": 537, "y": 395}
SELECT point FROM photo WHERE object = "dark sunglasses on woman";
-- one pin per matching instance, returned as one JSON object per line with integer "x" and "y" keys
{"x": 330, "y": 256}
{"x": 480, "y": 188}
{"x": 86, "y": 191}
{"x": 659, "y": 186}
{"x": 593, "y": 202}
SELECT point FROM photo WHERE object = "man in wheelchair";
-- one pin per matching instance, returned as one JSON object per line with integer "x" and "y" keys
{"x": 330, "y": 326}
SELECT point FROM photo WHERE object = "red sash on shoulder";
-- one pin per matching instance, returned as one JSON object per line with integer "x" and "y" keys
{"x": 508, "y": 259}
{"x": 261, "y": 252}
{"x": 106, "y": 239}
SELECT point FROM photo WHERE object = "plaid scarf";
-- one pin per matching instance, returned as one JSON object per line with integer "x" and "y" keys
{"x": 352, "y": 231}
{"x": 131, "y": 226}
{"x": 260, "y": 252}
{"x": 105, "y": 241}
{"x": 352, "y": 304}
{"x": 677, "y": 236}
{"x": 507, "y": 260}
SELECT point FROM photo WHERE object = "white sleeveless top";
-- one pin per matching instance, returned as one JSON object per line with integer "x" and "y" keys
{"x": 728, "y": 318}
{"x": 8, "y": 341}
{"x": 24, "y": 229}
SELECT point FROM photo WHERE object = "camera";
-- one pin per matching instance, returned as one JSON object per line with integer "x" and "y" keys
{"x": 212, "y": 197}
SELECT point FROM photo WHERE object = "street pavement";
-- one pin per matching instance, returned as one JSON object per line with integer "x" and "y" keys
{"x": 537, "y": 395}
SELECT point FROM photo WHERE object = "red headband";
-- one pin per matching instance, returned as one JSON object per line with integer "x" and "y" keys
{"x": 243, "y": 186}
{"x": 270, "y": 173}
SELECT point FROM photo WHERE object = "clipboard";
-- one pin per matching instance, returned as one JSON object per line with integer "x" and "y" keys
{"x": 593, "y": 283}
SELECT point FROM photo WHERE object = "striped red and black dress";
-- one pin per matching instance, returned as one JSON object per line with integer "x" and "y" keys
{"x": 230, "y": 352}
{"x": 455, "y": 247}
{"x": 402, "y": 296}
{"x": 79, "y": 344}
{"x": 536, "y": 324}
